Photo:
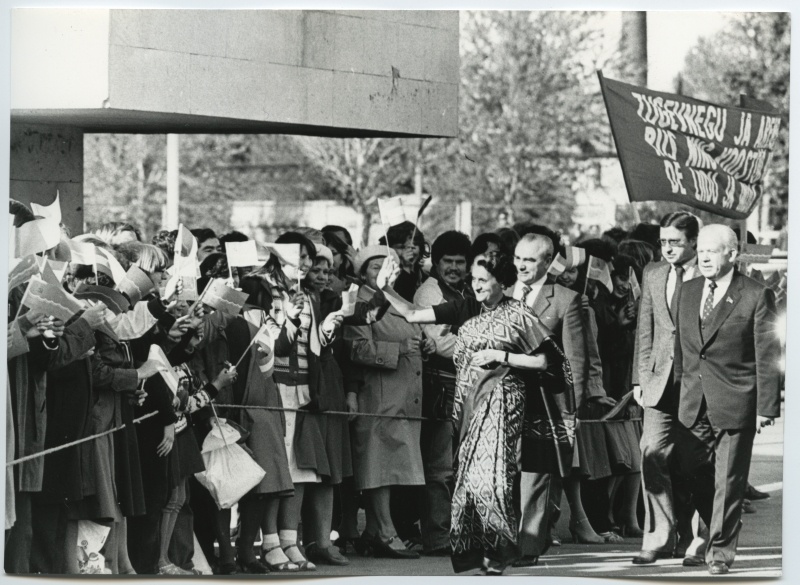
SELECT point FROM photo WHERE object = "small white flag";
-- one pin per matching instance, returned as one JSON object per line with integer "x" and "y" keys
{"x": 52, "y": 211}
{"x": 170, "y": 377}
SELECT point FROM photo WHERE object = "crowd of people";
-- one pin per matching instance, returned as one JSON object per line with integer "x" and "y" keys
{"x": 473, "y": 386}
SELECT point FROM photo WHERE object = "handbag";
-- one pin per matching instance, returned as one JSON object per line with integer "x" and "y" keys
{"x": 230, "y": 472}
{"x": 438, "y": 394}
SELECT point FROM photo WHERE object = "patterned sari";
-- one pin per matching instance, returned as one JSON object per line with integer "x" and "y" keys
{"x": 489, "y": 413}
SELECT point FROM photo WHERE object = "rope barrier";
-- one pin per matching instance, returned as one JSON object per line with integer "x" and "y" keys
{"x": 78, "y": 442}
{"x": 374, "y": 415}
{"x": 271, "y": 408}
{"x": 333, "y": 412}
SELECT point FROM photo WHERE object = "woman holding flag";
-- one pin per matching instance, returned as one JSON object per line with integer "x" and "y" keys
{"x": 616, "y": 310}
{"x": 299, "y": 331}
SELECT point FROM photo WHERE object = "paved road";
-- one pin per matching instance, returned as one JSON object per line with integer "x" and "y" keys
{"x": 759, "y": 553}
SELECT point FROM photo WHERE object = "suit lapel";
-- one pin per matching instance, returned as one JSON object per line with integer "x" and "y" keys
{"x": 726, "y": 305}
{"x": 691, "y": 296}
{"x": 542, "y": 302}
{"x": 660, "y": 286}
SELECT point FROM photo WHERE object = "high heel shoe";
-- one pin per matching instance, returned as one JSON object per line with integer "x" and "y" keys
{"x": 632, "y": 532}
{"x": 583, "y": 533}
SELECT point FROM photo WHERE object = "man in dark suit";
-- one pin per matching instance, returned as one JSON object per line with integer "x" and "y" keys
{"x": 666, "y": 502}
{"x": 726, "y": 362}
{"x": 559, "y": 309}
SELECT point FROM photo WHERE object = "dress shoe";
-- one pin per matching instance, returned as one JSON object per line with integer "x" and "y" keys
{"x": 383, "y": 549}
{"x": 748, "y": 507}
{"x": 717, "y": 568}
{"x": 693, "y": 561}
{"x": 753, "y": 494}
{"x": 648, "y": 557}
{"x": 326, "y": 556}
{"x": 526, "y": 561}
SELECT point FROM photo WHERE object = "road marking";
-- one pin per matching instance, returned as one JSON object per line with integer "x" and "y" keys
{"x": 770, "y": 487}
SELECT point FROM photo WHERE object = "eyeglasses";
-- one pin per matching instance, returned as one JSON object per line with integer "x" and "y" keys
{"x": 673, "y": 243}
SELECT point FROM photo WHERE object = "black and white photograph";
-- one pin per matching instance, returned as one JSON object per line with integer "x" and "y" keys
{"x": 396, "y": 292}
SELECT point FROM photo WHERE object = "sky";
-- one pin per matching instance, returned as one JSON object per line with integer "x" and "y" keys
{"x": 670, "y": 37}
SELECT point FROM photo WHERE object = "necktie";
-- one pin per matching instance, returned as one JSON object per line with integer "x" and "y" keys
{"x": 526, "y": 290}
{"x": 709, "y": 305}
{"x": 676, "y": 294}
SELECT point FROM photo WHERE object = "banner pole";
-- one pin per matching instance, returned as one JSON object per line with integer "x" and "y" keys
{"x": 636, "y": 218}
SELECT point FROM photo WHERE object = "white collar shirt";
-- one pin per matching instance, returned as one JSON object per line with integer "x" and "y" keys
{"x": 722, "y": 288}
{"x": 536, "y": 288}
{"x": 690, "y": 272}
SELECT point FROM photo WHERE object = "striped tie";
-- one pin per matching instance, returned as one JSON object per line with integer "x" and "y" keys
{"x": 526, "y": 290}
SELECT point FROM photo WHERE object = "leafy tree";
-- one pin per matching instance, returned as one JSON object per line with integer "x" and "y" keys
{"x": 531, "y": 116}
{"x": 750, "y": 56}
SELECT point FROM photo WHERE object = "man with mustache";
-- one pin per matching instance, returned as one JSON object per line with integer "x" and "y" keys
{"x": 450, "y": 254}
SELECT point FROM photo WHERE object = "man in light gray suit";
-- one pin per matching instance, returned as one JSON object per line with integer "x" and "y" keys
{"x": 653, "y": 373}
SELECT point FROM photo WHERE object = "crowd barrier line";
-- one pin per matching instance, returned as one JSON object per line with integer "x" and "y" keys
{"x": 272, "y": 408}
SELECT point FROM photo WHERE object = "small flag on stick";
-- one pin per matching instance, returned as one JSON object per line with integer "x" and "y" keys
{"x": 574, "y": 258}
{"x": 136, "y": 285}
{"x": 47, "y": 273}
{"x": 82, "y": 253}
{"x": 772, "y": 282}
{"x": 50, "y": 299}
{"x": 224, "y": 298}
{"x": 398, "y": 209}
{"x": 169, "y": 375}
{"x": 24, "y": 270}
{"x": 186, "y": 263}
{"x": 242, "y": 254}
{"x": 36, "y": 236}
{"x": 261, "y": 336}
{"x": 52, "y": 211}
{"x": 598, "y": 270}
{"x": 288, "y": 253}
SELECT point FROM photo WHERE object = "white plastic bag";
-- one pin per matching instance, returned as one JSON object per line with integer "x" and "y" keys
{"x": 221, "y": 434}
{"x": 230, "y": 473}
{"x": 91, "y": 538}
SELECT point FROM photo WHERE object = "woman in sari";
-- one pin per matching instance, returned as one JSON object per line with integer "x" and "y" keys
{"x": 502, "y": 353}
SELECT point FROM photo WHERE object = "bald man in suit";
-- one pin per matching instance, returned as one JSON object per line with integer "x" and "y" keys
{"x": 726, "y": 363}
{"x": 559, "y": 309}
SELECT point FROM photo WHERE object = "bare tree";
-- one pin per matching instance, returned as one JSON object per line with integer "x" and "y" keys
{"x": 359, "y": 170}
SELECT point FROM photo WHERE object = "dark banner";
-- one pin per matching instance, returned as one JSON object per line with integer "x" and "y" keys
{"x": 675, "y": 148}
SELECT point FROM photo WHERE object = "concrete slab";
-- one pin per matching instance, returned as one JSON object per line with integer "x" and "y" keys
{"x": 148, "y": 80}
{"x": 228, "y": 87}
